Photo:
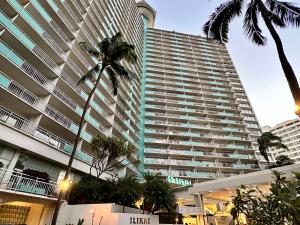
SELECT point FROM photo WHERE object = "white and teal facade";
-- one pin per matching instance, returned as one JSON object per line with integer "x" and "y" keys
{"x": 40, "y": 104}
{"x": 199, "y": 124}
{"x": 188, "y": 114}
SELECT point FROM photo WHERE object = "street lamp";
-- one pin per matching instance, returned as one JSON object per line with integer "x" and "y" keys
{"x": 64, "y": 185}
{"x": 297, "y": 110}
{"x": 93, "y": 215}
{"x": 101, "y": 219}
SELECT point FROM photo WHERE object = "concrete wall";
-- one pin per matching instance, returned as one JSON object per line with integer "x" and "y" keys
{"x": 108, "y": 214}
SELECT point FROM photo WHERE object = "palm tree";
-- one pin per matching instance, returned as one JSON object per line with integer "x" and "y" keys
{"x": 157, "y": 194}
{"x": 283, "y": 160}
{"x": 273, "y": 12}
{"x": 128, "y": 190}
{"x": 268, "y": 140}
{"x": 109, "y": 52}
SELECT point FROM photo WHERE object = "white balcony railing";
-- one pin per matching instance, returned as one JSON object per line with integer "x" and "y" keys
{"x": 13, "y": 120}
{"x": 20, "y": 182}
{"x": 189, "y": 210}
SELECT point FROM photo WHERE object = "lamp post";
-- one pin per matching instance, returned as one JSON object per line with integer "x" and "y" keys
{"x": 93, "y": 215}
{"x": 63, "y": 187}
{"x": 101, "y": 219}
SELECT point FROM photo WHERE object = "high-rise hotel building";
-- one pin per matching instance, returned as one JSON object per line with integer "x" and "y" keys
{"x": 188, "y": 114}
{"x": 41, "y": 62}
{"x": 198, "y": 120}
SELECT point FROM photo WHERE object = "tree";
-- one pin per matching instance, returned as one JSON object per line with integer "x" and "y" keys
{"x": 124, "y": 191}
{"x": 96, "y": 188}
{"x": 268, "y": 140}
{"x": 282, "y": 160}
{"x": 272, "y": 12}
{"x": 110, "y": 153}
{"x": 280, "y": 206}
{"x": 157, "y": 194}
{"x": 128, "y": 190}
{"x": 109, "y": 52}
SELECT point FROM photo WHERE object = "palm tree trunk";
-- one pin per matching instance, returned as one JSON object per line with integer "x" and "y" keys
{"x": 68, "y": 170}
{"x": 286, "y": 66}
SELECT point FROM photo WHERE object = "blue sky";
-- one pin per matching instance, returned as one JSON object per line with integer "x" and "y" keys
{"x": 258, "y": 67}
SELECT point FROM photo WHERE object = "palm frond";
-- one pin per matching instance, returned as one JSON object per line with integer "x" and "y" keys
{"x": 123, "y": 72}
{"x": 91, "y": 50}
{"x": 251, "y": 28}
{"x": 263, "y": 152}
{"x": 217, "y": 26}
{"x": 104, "y": 46}
{"x": 112, "y": 75}
{"x": 277, "y": 145}
{"x": 276, "y": 19}
{"x": 90, "y": 74}
{"x": 117, "y": 38}
{"x": 287, "y": 11}
{"x": 125, "y": 51}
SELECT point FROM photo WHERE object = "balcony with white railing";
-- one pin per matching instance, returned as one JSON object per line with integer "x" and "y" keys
{"x": 189, "y": 210}
{"x": 22, "y": 125}
{"x": 20, "y": 183}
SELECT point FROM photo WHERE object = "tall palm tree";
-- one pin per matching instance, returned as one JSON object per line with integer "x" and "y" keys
{"x": 268, "y": 140}
{"x": 273, "y": 12}
{"x": 157, "y": 194}
{"x": 128, "y": 190}
{"x": 109, "y": 52}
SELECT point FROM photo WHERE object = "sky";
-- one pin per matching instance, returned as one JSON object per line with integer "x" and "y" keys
{"x": 258, "y": 67}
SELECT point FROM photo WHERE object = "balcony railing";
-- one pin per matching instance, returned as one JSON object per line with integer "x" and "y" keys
{"x": 13, "y": 120}
{"x": 189, "y": 210}
{"x": 20, "y": 182}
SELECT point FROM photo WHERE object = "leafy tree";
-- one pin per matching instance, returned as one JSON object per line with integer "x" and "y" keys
{"x": 124, "y": 191}
{"x": 279, "y": 207}
{"x": 109, "y": 52}
{"x": 128, "y": 191}
{"x": 268, "y": 140}
{"x": 96, "y": 189}
{"x": 110, "y": 153}
{"x": 157, "y": 194}
{"x": 282, "y": 160}
{"x": 272, "y": 12}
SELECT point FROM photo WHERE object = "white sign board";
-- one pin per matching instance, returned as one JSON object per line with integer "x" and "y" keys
{"x": 104, "y": 214}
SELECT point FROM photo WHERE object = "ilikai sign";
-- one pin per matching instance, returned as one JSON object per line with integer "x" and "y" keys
{"x": 178, "y": 181}
{"x": 139, "y": 220}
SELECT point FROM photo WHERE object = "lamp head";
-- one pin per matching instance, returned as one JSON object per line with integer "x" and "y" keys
{"x": 64, "y": 185}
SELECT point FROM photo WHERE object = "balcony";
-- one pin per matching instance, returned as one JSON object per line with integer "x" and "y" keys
{"x": 21, "y": 183}
{"x": 189, "y": 210}
{"x": 13, "y": 120}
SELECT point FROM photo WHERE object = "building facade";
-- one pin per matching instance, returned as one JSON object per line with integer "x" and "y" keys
{"x": 41, "y": 64}
{"x": 199, "y": 123}
{"x": 289, "y": 131}
{"x": 187, "y": 114}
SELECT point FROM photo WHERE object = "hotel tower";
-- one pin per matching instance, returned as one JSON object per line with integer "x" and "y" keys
{"x": 187, "y": 114}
